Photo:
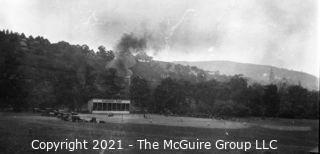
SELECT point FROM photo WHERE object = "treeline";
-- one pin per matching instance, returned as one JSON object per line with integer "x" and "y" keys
{"x": 37, "y": 73}
{"x": 233, "y": 98}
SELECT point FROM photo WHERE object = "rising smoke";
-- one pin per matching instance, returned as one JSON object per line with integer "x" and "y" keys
{"x": 269, "y": 32}
{"x": 128, "y": 45}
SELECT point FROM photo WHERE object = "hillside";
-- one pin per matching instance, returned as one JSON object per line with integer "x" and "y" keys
{"x": 43, "y": 73}
{"x": 259, "y": 73}
{"x": 155, "y": 71}
{"x": 37, "y": 73}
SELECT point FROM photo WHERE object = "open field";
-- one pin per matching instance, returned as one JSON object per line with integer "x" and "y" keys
{"x": 17, "y": 130}
{"x": 277, "y": 124}
{"x": 167, "y": 121}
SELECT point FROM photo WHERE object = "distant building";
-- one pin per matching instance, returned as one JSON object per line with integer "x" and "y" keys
{"x": 106, "y": 106}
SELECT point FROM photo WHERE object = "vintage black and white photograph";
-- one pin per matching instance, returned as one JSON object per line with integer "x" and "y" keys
{"x": 159, "y": 76}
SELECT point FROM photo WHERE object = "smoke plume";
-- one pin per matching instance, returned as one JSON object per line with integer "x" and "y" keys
{"x": 124, "y": 60}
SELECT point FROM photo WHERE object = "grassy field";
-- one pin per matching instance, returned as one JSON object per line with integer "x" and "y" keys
{"x": 17, "y": 130}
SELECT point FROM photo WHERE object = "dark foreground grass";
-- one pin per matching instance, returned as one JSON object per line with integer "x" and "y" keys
{"x": 18, "y": 130}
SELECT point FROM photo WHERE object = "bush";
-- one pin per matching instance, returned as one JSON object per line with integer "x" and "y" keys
{"x": 229, "y": 108}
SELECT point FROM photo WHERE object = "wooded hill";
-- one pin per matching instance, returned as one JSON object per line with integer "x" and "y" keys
{"x": 53, "y": 74}
{"x": 257, "y": 73}
{"x": 37, "y": 73}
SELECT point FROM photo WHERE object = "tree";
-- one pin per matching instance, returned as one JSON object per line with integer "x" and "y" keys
{"x": 206, "y": 94}
{"x": 255, "y": 98}
{"x": 312, "y": 108}
{"x": 169, "y": 97}
{"x": 271, "y": 100}
{"x": 295, "y": 102}
{"x": 104, "y": 54}
{"x": 12, "y": 79}
{"x": 112, "y": 83}
{"x": 238, "y": 88}
{"x": 140, "y": 92}
{"x": 67, "y": 90}
{"x": 229, "y": 108}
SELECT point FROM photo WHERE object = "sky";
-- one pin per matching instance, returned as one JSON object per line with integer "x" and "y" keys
{"x": 281, "y": 33}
